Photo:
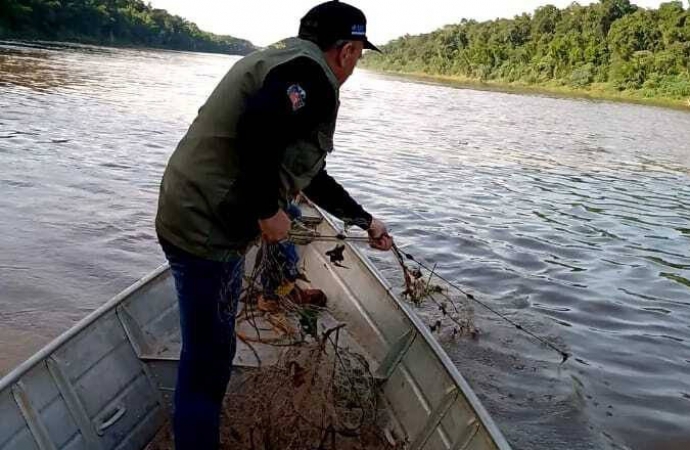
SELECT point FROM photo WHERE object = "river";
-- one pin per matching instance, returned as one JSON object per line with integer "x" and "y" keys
{"x": 570, "y": 216}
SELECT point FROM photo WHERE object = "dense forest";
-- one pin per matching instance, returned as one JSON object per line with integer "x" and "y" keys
{"x": 118, "y": 22}
{"x": 611, "y": 46}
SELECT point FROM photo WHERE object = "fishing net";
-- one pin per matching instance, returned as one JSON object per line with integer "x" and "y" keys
{"x": 445, "y": 312}
{"x": 320, "y": 393}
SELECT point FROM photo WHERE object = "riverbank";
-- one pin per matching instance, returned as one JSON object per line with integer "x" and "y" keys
{"x": 224, "y": 45}
{"x": 116, "y": 43}
{"x": 597, "y": 91}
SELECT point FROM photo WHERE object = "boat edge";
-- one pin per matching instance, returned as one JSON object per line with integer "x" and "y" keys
{"x": 16, "y": 374}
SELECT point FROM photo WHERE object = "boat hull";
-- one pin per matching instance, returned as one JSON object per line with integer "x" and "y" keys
{"x": 107, "y": 383}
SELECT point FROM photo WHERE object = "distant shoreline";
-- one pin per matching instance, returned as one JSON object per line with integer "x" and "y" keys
{"x": 104, "y": 44}
{"x": 86, "y": 40}
{"x": 600, "y": 92}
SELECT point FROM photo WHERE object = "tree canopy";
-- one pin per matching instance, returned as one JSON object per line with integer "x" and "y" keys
{"x": 110, "y": 21}
{"x": 612, "y": 43}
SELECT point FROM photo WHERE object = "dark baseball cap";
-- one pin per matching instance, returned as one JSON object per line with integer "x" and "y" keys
{"x": 329, "y": 22}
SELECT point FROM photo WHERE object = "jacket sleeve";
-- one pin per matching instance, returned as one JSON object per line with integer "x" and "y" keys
{"x": 331, "y": 196}
{"x": 293, "y": 100}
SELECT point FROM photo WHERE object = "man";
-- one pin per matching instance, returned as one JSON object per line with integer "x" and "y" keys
{"x": 260, "y": 140}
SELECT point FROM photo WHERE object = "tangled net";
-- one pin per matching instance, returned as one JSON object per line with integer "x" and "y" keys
{"x": 277, "y": 310}
{"x": 456, "y": 314}
{"x": 320, "y": 395}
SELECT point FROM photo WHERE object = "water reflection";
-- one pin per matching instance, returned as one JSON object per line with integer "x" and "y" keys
{"x": 36, "y": 68}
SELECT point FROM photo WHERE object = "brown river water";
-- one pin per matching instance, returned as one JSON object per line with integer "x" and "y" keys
{"x": 571, "y": 217}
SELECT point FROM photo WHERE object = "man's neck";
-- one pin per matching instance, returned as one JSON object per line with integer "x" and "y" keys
{"x": 330, "y": 57}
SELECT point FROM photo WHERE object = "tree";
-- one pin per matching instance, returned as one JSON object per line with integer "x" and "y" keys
{"x": 115, "y": 21}
{"x": 612, "y": 42}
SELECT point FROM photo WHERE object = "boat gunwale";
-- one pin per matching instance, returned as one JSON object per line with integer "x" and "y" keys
{"x": 22, "y": 369}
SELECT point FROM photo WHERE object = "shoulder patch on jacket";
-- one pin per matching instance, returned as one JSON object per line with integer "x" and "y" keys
{"x": 297, "y": 96}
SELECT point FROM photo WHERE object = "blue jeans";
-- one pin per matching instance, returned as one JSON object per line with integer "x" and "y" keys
{"x": 207, "y": 293}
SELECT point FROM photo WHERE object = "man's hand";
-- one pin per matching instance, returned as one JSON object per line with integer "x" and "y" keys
{"x": 275, "y": 228}
{"x": 378, "y": 236}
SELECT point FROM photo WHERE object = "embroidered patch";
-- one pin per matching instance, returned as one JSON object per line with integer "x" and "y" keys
{"x": 297, "y": 96}
{"x": 359, "y": 30}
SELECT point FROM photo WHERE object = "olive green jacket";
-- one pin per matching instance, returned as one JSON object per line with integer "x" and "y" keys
{"x": 201, "y": 208}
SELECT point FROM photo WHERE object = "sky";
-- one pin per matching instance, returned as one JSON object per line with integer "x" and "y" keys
{"x": 266, "y": 21}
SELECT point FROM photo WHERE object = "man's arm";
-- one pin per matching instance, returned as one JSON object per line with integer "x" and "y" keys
{"x": 272, "y": 120}
{"x": 331, "y": 196}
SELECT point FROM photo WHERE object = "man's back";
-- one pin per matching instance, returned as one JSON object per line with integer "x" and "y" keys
{"x": 203, "y": 182}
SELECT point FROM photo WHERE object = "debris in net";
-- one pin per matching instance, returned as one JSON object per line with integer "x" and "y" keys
{"x": 408, "y": 282}
{"x": 337, "y": 256}
{"x": 457, "y": 313}
{"x": 320, "y": 395}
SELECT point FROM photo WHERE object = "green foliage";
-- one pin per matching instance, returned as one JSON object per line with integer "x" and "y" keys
{"x": 612, "y": 43}
{"x": 582, "y": 76}
{"x": 110, "y": 21}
